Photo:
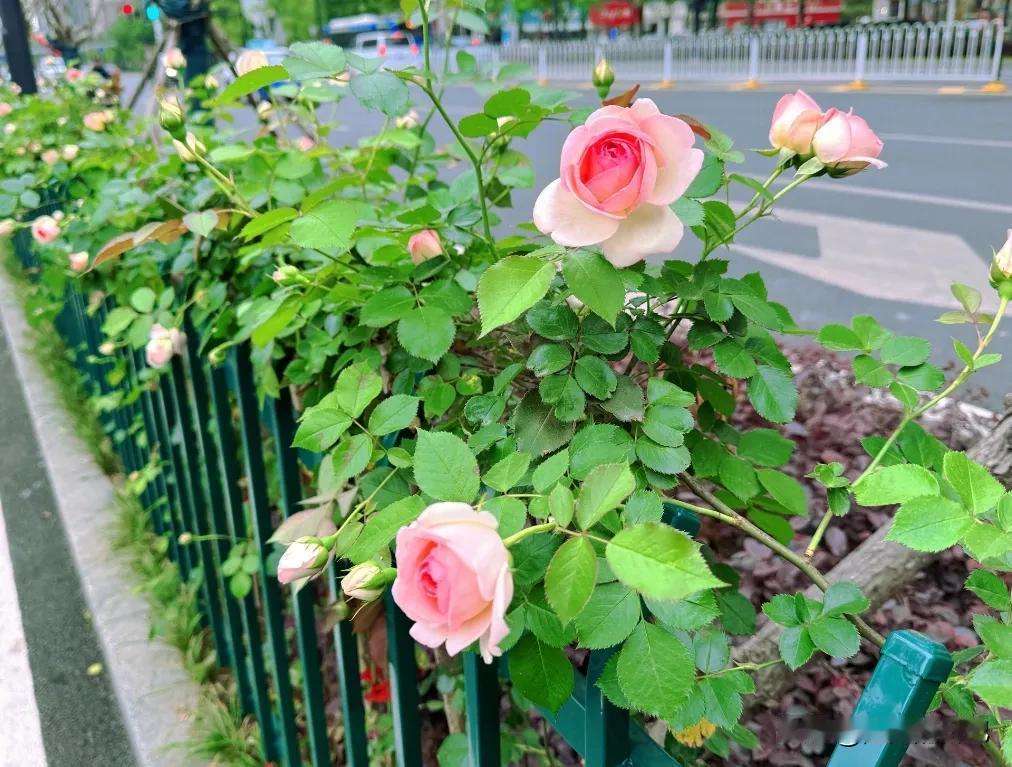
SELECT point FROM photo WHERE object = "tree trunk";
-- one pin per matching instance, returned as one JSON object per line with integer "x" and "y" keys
{"x": 879, "y": 567}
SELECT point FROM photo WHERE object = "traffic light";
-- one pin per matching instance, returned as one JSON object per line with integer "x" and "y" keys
{"x": 152, "y": 12}
{"x": 127, "y": 9}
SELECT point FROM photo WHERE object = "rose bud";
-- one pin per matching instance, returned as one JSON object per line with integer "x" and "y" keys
{"x": 70, "y": 152}
{"x": 78, "y": 261}
{"x": 304, "y": 143}
{"x": 9, "y": 128}
{"x": 170, "y": 117}
{"x": 1001, "y": 268}
{"x": 250, "y": 60}
{"x": 367, "y": 582}
{"x": 845, "y": 144}
{"x": 191, "y": 149}
{"x": 50, "y": 157}
{"x": 7, "y": 227}
{"x": 453, "y": 579}
{"x": 174, "y": 59}
{"x": 304, "y": 558}
{"x": 106, "y": 348}
{"x": 95, "y": 121}
{"x": 45, "y": 229}
{"x": 410, "y": 120}
{"x": 603, "y": 77}
{"x": 795, "y": 120}
{"x": 5, "y": 109}
{"x": 424, "y": 245}
{"x": 211, "y": 82}
{"x": 619, "y": 173}
{"x": 162, "y": 344}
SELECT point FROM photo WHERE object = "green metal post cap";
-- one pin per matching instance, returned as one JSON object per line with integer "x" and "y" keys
{"x": 681, "y": 518}
{"x": 919, "y": 654}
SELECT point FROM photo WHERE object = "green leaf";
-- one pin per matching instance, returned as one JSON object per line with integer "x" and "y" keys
{"x": 382, "y": 91}
{"x": 357, "y": 386}
{"x": 667, "y": 424}
{"x": 895, "y": 484}
{"x": 327, "y": 227}
{"x": 929, "y": 523}
{"x": 661, "y": 392}
{"x": 992, "y": 681}
{"x": 386, "y": 306}
{"x": 687, "y": 614}
{"x": 541, "y": 673}
{"x": 626, "y": 404}
{"x": 796, "y": 646}
{"x": 659, "y": 562}
{"x": 143, "y": 300}
{"x": 840, "y": 338}
{"x": 782, "y": 609}
{"x": 709, "y": 178}
{"x": 969, "y": 298}
{"x": 510, "y": 513}
{"x": 655, "y": 671}
{"x": 510, "y": 287}
{"x": 556, "y": 322}
{"x": 265, "y": 222}
{"x": 393, "y": 414}
{"x": 595, "y": 282}
{"x": 381, "y": 527}
{"x": 350, "y": 457}
{"x": 314, "y": 60}
{"x": 997, "y": 636}
{"x": 445, "y": 468}
{"x": 507, "y": 472}
{"x": 843, "y": 597}
{"x": 550, "y": 471}
{"x": 733, "y": 359}
{"x": 507, "y": 102}
{"x": 320, "y": 428}
{"x": 835, "y": 636}
{"x": 426, "y": 332}
{"x": 785, "y": 490}
{"x": 711, "y": 650}
{"x": 689, "y": 211}
{"x": 736, "y": 612}
{"x": 977, "y": 488}
{"x": 538, "y": 431}
{"x": 739, "y": 477}
{"x": 253, "y": 80}
{"x": 605, "y": 487}
{"x": 990, "y": 589}
{"x": 201, "y": 222}
{"x": 609, "y": 617}
{"x": 569, "y": 580}
{"x": 661, "y": 458}
{"x": 477, "y": 125}
{"x": 905, "y": 351}
{"x": 870, "y": 372}
{"x": 561, "y": 505}
{"x": 595, "y": 377}
{"x": 547, "y": 359}
{"x": 773, "y": 394}
{"x": 765, "y": 447}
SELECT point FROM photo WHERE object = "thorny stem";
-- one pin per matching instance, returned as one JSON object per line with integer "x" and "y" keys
{"x": 725, "y": 513}
{"x": 527, "y": 532}
{"x": 917, "y": 412}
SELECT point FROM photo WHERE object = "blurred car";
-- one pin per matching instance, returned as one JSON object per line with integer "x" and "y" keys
{"x": 398, "y": 49}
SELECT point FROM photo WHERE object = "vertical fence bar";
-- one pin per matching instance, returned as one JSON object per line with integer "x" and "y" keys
{"x": 280, "y": 417}
{"x": 403, "y": 686}
{"x": 356, "y": 753}
{"x": 170, "y": 473}
{"x": 259, "y": 700}
{"x": 161, "y": 509}
{"x": 908, "y": 673}
{"x": 860, "y": 56}
{"x": 249, "y": 421}
{"x": 607, "y": 726}
{"x": 482, "y": 684}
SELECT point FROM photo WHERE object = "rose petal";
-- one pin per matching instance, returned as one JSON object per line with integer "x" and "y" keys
{"x": 559, "y": 214}
{"x": 678, "y": 162}
{"x": 648, "y": 230}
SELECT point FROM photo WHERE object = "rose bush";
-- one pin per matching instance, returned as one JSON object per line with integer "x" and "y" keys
{"x": 503, "y": 418}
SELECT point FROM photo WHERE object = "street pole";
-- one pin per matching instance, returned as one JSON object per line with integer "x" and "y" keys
{"x": 15, "y": 36}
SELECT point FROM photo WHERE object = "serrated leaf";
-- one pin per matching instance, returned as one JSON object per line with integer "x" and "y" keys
{"x": 765, "y": 447}
{"x": 992, "y": 681}
{"x": 320, "y": 428}
{"x": 595, "y": 282}
{"x": 796, "y": 646}
{"x": 569, "y": 580}
{"x": 659, "y": 562}
{"x": 445, "y": 468}
{"x": 426, "y": 332}
{"x": 654, "y": 671}
{"x": 326, "y": 227}
{"x": 929, "y": 523}
{"x": 507, "y": 472}
{"x": 510, "y": 287}
{"x": 990, "y": 589}
{"x": 836, "y": 637}
{"x": 541, "y": 673}
{"x": 381, "y": 527}
{"x": 843, "y": 597}
{"x": 382, "y": 91}
{"x": 252, "y": 81}
{"x": 393, "y": 414}
{"x": 977, "y": 488}
{"x": 773, "y": 394}
{"x": 609, "y": 617}
{"x": 356, "y": 387}
{"x": 604, "y": 488}
{"x": 895, "y": 484}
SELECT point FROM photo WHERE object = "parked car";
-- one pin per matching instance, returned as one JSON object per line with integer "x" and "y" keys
{"x": 398, "y": 49}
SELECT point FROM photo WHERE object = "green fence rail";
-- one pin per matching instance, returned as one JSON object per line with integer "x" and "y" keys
{"x": 214, "y": 441}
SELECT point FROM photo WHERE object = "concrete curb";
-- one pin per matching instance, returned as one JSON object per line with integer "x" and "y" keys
{"x": 154, "y": 692}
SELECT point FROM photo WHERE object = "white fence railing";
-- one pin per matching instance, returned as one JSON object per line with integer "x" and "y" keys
{"x": 962, "y": 51}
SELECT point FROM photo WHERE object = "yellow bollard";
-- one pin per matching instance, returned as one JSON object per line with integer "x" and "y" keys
{"x": 994, "y": 86}
{"x": 856, "y": 85}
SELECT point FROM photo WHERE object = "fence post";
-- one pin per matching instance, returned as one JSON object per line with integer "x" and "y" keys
{"x": 542, "y": 65}
{"x": 482, "y": 683}
{"x": 667, "y": 70}
{"x": 860, "y": 57}
{"x": 403, "y": 686}
{"x": 753, "y": 63}
{"x": 996, "y": 85}
{"x": 356, "y": 751}
{"x": 908, "y": 673}
{"x": 606, "y": 732}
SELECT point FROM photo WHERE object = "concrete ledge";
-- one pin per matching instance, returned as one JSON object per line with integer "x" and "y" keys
{"x": 155, "y": 694}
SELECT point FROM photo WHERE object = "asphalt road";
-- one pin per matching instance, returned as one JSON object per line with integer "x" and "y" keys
{"x": 886, "y": 243}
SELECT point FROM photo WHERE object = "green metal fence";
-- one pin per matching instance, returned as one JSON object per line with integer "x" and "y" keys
{"x": 211, "y": 437}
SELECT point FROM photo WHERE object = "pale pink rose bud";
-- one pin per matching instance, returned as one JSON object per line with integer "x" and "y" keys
{"x": 7, "y": 227}
{"x": 50, "y": 157}
{"x": 366, "y": 582}
{"x": 107, "y": 348}
{"x": 94, "y": 121}
{"x": 845, "y": 144}
{"x": 343, "y": 78}
{"x": 250, "y": 60}
{"x": 9, "y": 128}
{"x": 304, "y": 558}
{"x": 61, "y": 121}
{"x": 58, "y": 215}
{"x": 424, "y": 245}
{"x": 619, "y": 173}
{"x": 45, "y": 229}
{"x": 410, "y": 120}
{"x": 78, "y": 261}
{"x": 454, "y": 579}
{"x": 190, "y": 149}
{"x": 5, "y": 109}
{"x": 304, "y": 143}
{"x": 70, "y": 151}
{"x": 174, "y": 59}
{"x": 158, "y": 351}
{"x": 211, "y": 82}
{"x": 795, "y": 119}
{"x": 264, "y": 110}
{"x": 278, "y": 276}
{"x": 1001, "y": 265}
{"x": 74, "y": 74}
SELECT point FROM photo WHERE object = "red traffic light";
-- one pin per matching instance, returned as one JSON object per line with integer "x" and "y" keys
{"x": 127, "y": 9}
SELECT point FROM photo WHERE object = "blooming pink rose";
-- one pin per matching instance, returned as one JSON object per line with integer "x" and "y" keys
{"x": 74, "y": 74}
{"x": 304, "y": 143}
{"x": 78, "y": 261}
{"x": 846, "y": 144}
{"x": 95, "y": 121}
{"x": 162, "y": 344}
{"x": 250, "y": 60}
{"x": 70, "y": 151}
{"x": 453, "y": 579}
{"x": 619, "y": 172}
{"x": 5, "y": 109}
{"x": 795, "y": 119}
{"x": 424, "y": 245}
{"x": 304, "y": 558}
{"x": 45, "y": 229}
{"x": 50, "y": 156}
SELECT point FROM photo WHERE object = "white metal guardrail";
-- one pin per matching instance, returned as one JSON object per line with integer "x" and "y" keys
{"x": 958, "y": 52}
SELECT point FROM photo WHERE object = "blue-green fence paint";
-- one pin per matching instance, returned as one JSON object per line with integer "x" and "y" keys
{"x": 352, "y": 706}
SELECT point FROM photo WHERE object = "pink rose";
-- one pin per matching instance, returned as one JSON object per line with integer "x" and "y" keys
{"x": 424, "y": 245}
{"x": 5, "y": 109}
{"x": 162, "y": 344}
{"x": 174, "y": 59}
{"x": 45, "y": 229}
{"x": 619, "y": 172}
{"x": 453, "y": 579}
{"x": 304, "y": 558}
{"x": 70, "y": 152}
{"x": 50, "y": 156}
{"x": 846, "y": 144}
{"x": 250, "y": 60}
{"x": 78, "y": 261}
{"x": 74, "y": 74}
{"x": 1001, "y": 265}
{"x": 95, "y": 121}
{"x": 304, "y": 143}
{"x": 795, "y": 119}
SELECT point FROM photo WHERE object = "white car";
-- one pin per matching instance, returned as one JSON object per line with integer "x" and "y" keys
{"x": 398, "y": 49}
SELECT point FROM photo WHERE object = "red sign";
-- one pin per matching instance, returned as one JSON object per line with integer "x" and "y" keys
{"x": 614, "y": 13}
{"x": 817, "y": 12}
